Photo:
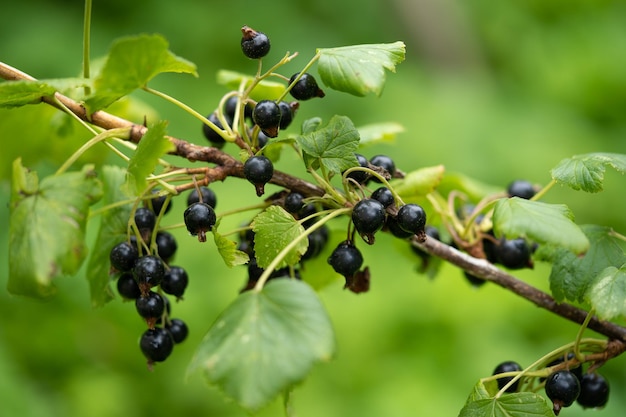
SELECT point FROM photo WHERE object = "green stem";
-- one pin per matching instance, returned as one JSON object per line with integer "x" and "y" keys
{"x": 302, "y": 72}
{"x": 281, "y": 255}
{"x": 543, "y": 191}
{"x": 107, "y": 134}
{"x": 87, "y": 43}
{"x": 579, "y": 335}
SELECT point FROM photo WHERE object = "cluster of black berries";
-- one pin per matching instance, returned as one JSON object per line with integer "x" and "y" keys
{"x": 563, "y": 387}
{"x": 146, "y": 276}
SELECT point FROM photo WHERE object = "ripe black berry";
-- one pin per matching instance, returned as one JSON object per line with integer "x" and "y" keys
{"x": 267, "y": 116}
{"x": 150, "y": 307}
{"x": 178, "y": 329}
{"x": 385, "y": 162}
{"x": 175, "y": 281}
{"x": 384, "y": 195}
{"x": 360, "y": 176}
{"x": 258, "y": 170}
{"x": 368, "y": 216}
{"x": 412, "y": 218}
{"x": 148, "y": 272}
{"x": 508, "y": 366}
{"x": 145, "y": 219}
{"x": 474, "y": 280}
{"x": 127, "y": 286}
{"x": 521, "y": 188}
{"x": 294, "y": 202}
{"x": 123, "y": 256}
{"x": 305, "y": 88}
{"x": 254, "y": 44}
{"x": 208, "y": 197}
{"x": 156, "y": 344}
{"x": 562, "y": 387}
{"x": 346, "y": 259}
{"x": 157, "y": 204}
{"x": 166, "y": 245}
{"x": 317, "y": 241}
{"x": 514, "y": 253}
{"x": 594, "y": 391}
{"x": 578, "y": 370}
{"x": 210, "y": 134}
{"x": 391, "y": 223}
{"x": 287, "y": 113}
{"x": 199, "y": 219}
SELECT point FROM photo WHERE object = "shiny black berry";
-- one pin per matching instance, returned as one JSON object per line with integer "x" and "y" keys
{"x": 254, "y": 44}
{"x": 294, "y": 202}
{"x": 210, "y": 134}
{"x": 346, "y": 259}
{"x": 384, "y": 195}
{"x": 521, "y": 188}
{"x": 267, "y": 116}
{"x": 287, "y": 113}
{"x": 150, "y": 306}
{"x": 384, "y": 162}
{"x": 258, "y": 170}
{"x": 594, "y": 391}
{"x": 178, "y": 329}
{"x": 305, "y": 88}
{"x": 148, "y": 272}
{"x": 123, "y": 256}
{"x": 157, "y": 204}
{"x": 368, "y": 216}
{"x": 199, "y": 218}
{"x": 127, "y": 286}
{"x": 513, "y": 253}
{"x": 175, "y": 281}
{"x": 474, "y": 280}
{"x": 412, "y": 218}
{"x": 145, "y": 219}
{"x": 563, "y": 388}
{"x": 208, "y": 197}
{"x": 156, "y": 344}
{"x": 317, "y": 241}
{"x": 360, "y": 176}
{"x": 391, "y": 223}
{"x": 166, "y": 245}
{"x": 508, "y": 366}
{"x": 578, "y": 370}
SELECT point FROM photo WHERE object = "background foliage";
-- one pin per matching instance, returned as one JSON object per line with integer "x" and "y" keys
{"x": 495, "y": 90}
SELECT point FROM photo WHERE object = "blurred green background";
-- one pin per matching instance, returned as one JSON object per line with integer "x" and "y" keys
{"x": 495, "y": 90}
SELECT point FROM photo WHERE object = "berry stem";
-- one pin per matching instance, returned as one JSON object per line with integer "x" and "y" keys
{"x": 579, "y": 335}
{"x": 87, "y": 43}
{"x": 313, "y": 60}
{"x": 543, "y": 191}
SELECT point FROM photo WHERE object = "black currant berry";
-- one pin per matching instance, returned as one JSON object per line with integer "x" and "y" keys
{"x": 178, "y": 329}
{"x": 261, "y": 140}
{"x": 562, "y": 387}
{"x": 385, "y": 162}
{"x": 360, "y": 176}
{"x": 305, "y": 88}
{"x": 199, "y": 219}
{"x": 258, "y": 170}
{"x": 175, "y": 281}
{"x": 294, "y": 202}
{"x": 521, "y": 188}
{"x": 166, "y": 245}
{"x": 123, "y": 256}
{"x": 254, "y": 44}
{"x": 508, "y": 366}
{"x": 368, "y": 216}
{"x": 210, "y": 134}
{"x": 127, "y": 286}
{"x": 267, "y": 116}
{"x": 287, "y": 113}
{"x": 474, "y": 280}
{"x": 412, "y": 218}
{"x": 391, "y": 223}
{"x": 346, "y": 259}
{"x": 208, "y": 197}
{"x": 157, "y": 204}
{"x": 145, "y": 219}
{"x": 384, "y": 195}
{"x": 578, "y": 370}
{"x": 594, "y": 391}
{"x": 513, "y": 253}
{"x": 150, "y": 306}
{"x": 156, "y": 344}
{"x": 317, "y": 241}
{"x": 148, "y": 272}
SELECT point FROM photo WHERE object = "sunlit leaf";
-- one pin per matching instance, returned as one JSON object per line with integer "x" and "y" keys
{"x": 519, "y": 404}
{"x": 264, "y": 90}
{"x": 23, "y": 92}
{"x": 274, "y": 229}
{"x": 359, "y": 69}
{"x": 265, "y": 342}
{"x": 228, "y": 251}
{"x": 379, "y": 132}
{"x": 586, "y": 172}
{"x": 420, "y": 182}
{"x": 607, "y": 293}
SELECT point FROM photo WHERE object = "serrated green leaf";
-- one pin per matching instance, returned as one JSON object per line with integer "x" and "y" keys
{"x": 571, "y": 275}
{"x": 113, "y": 229}
{"x": 21, "y": 93}
{"x": 420, "y": 182}
{"x": 265, "y": 342}
{"x": 332, "y": 146}
{"x": 151, "y": 147}
{"x": 130, "y": 64}
{"x": 521, "y": 404}
{"x": 541, "y": 222}
{"x": 607, "y": 293}
{"x": 47, "y": 228}
{"x": 311, "y": 125}
{"x": 586, "y": 172}
{"x": 359, "y": 69}
{"x": 264, "y": 90}
{"x": 274, "y": 229}
{"x": 379, "y": 132}
{"x": 483, "y": 391}
{"x": 229, "y": 252}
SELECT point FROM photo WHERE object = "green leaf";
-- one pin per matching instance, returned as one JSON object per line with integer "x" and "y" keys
{"x": 541, "y": 222}
{"x": 379, "y": 132}
{"x": 152, "y": 146}
{"x": 264, "y": 90}
{"x": 607, "y": 293}
{"x": 483, "y": 391}
{"x": 520, "y": 404}
{"x": 265, "y": 342}
{"x": 472, "y": 188}
{"x": 47, "y": 228}
{"x": 586, "y": 172}
{"x": 274, "y": 229}
{"x": 228, "y": 250}
{"x": 23, "y": 92}
{"x": 332, "y": 146}
{"x": 420, "y": 182}
{"x": 359, "y": 69}
{"x": 571, "y": 275}
{"x": 113, "y": 230}
{"x": 131, "y": 63}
